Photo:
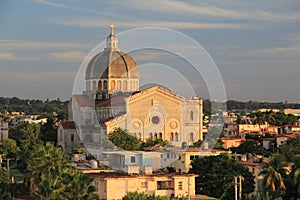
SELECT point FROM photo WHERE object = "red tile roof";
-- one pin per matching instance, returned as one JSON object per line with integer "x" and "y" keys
{"x": 68, "y": 125}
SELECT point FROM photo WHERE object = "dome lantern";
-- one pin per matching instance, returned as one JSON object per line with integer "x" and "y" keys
{"x": 111, "y": 71}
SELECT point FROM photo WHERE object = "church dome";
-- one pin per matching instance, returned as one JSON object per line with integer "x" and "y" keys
{"x": 112, "y": 64}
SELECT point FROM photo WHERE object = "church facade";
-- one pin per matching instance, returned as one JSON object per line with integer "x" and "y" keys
{"x": 112, "y": 99}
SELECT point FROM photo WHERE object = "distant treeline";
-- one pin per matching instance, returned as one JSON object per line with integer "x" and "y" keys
{"x": 250, "y": 106}
{"x": 33, "y": 106}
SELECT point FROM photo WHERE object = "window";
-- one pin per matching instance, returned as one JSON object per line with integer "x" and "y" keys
{"x": 112, "y": 85}
{"x": 105, "y": 85}
{"x": 151, "y": 102}
{"x": 151, "y": 136}
{"x": 125, "y": 86}
{"x": 192, "y": 115}
{"x": 165, "y": 185}
{"x": 192, "y": 157}
{"x": 176, "y": 137}
{"x": 144, "y": 185}
{"x": 132, "y": 159}
{"x": 180, "y": 185}
{"x": 191, "y": 137}
{"x": 72, "y": 137}
{"x": 119, "y": 85}
{"x": 172, "y": 137}
{"x": 100, "y": 85}
{"x": 160, "y": 135}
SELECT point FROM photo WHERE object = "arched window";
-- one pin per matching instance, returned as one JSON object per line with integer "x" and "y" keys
{"x": 94, "y": 85}
{"x": 155, "y": 136}
{"x": 172, "y": 137}
{"x": 119, "y": 85}
{"x": 112, "y": 85}
{"x": 151, "y": 136}
{"x": 124, "y": 85}
{"x": 191, "y": 137}
{"x": 130, "y": 85}
{"x": 99, "y": 85}
{"x": 176, "y": 137}
{"x": 88, "y": 85}
{"x": 192, "y": 115}
{"x": 160, "y": 135}
{"x": 140, "y": 136}
{"x": 105, "y": 85}
{"x": 72, "y": 137}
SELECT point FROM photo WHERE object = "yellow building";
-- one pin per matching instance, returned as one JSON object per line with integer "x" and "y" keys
{"x": 115, "y": 186}
{"x": 112, "y": 99}
{"x": 182, "y": 159}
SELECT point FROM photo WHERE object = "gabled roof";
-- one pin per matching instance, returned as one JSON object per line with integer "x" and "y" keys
{"x": 68, "y": 125}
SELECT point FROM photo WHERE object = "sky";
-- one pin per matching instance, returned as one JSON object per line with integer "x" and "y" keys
{"x": 254, "y": 44}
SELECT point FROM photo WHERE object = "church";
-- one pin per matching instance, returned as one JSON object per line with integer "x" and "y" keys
{"x": 112, "y": 99}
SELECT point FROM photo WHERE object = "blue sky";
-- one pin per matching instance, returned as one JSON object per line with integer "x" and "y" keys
{"x": 255, "y": 44}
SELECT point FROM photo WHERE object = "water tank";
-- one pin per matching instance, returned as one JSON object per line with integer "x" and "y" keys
{"x": 94, "y": 164}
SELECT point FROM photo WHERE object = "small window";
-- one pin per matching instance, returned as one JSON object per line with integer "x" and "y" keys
{"x": 72, "y": 137}
{"x": 151, "y": 102}
{"x": 180, "y": 185}
{"x": 144, "y": 185}
{"x": 192, "y": 157}
{"x": 132, "y": 159}
{"x": 192, "y": 115}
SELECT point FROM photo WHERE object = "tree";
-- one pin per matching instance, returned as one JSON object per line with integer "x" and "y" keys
{"x": 123, "y": 140}
{"x": 9, "y": 148}
{"x": 216, "y": 175}
{"x": 250, "y": 146}
{"x": 290, "y": 149}
{"x": 78, "y": 186}
{"x": 4, "y": 183}
{"x": 153, "y": 143}
{"x": 273, "y": 175}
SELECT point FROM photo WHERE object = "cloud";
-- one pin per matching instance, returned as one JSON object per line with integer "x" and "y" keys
{"x": 186, "y": 9}
{"x": 28, "y": 45}
{"x": 54, "y": 4}
{"x": 292, "y": 36}
{"x": 71, "y": 56}
{"x": 91, "y": 22}
{"x": 12, "y": 57}
{"x": 7, "y": 56}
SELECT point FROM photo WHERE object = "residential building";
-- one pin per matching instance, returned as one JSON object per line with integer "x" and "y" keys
{"x": 115, "y": 186}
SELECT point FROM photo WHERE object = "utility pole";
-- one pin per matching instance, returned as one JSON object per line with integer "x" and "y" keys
{"x": 235, "y": 188}
{"x": 238, "y": 187}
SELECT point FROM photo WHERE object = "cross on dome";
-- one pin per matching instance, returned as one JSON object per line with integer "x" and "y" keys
{"x": 112, "y": 27}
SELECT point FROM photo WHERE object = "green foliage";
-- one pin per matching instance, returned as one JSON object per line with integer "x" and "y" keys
{"x": 274, "y": 172}
{"x": 123, "y": 140}
{"x": 135, "y": 196}
{"x": 143, "y": 196}
{"x": 4, "y": 183}
{"x": 216, "y": 175}
{"x": 198, "y": 143}
{"x": 34, "y": 106}
{"x": 250, "y": 146}
{"x": 9, "y": 148}
{"x": 49, "y": 175}
{"x": 153, "y": 143}
{"x": 290, "y": 149}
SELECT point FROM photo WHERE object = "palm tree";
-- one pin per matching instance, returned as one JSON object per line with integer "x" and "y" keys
{"x": 273, "y": 171}
{"x": 78, "y": 186}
